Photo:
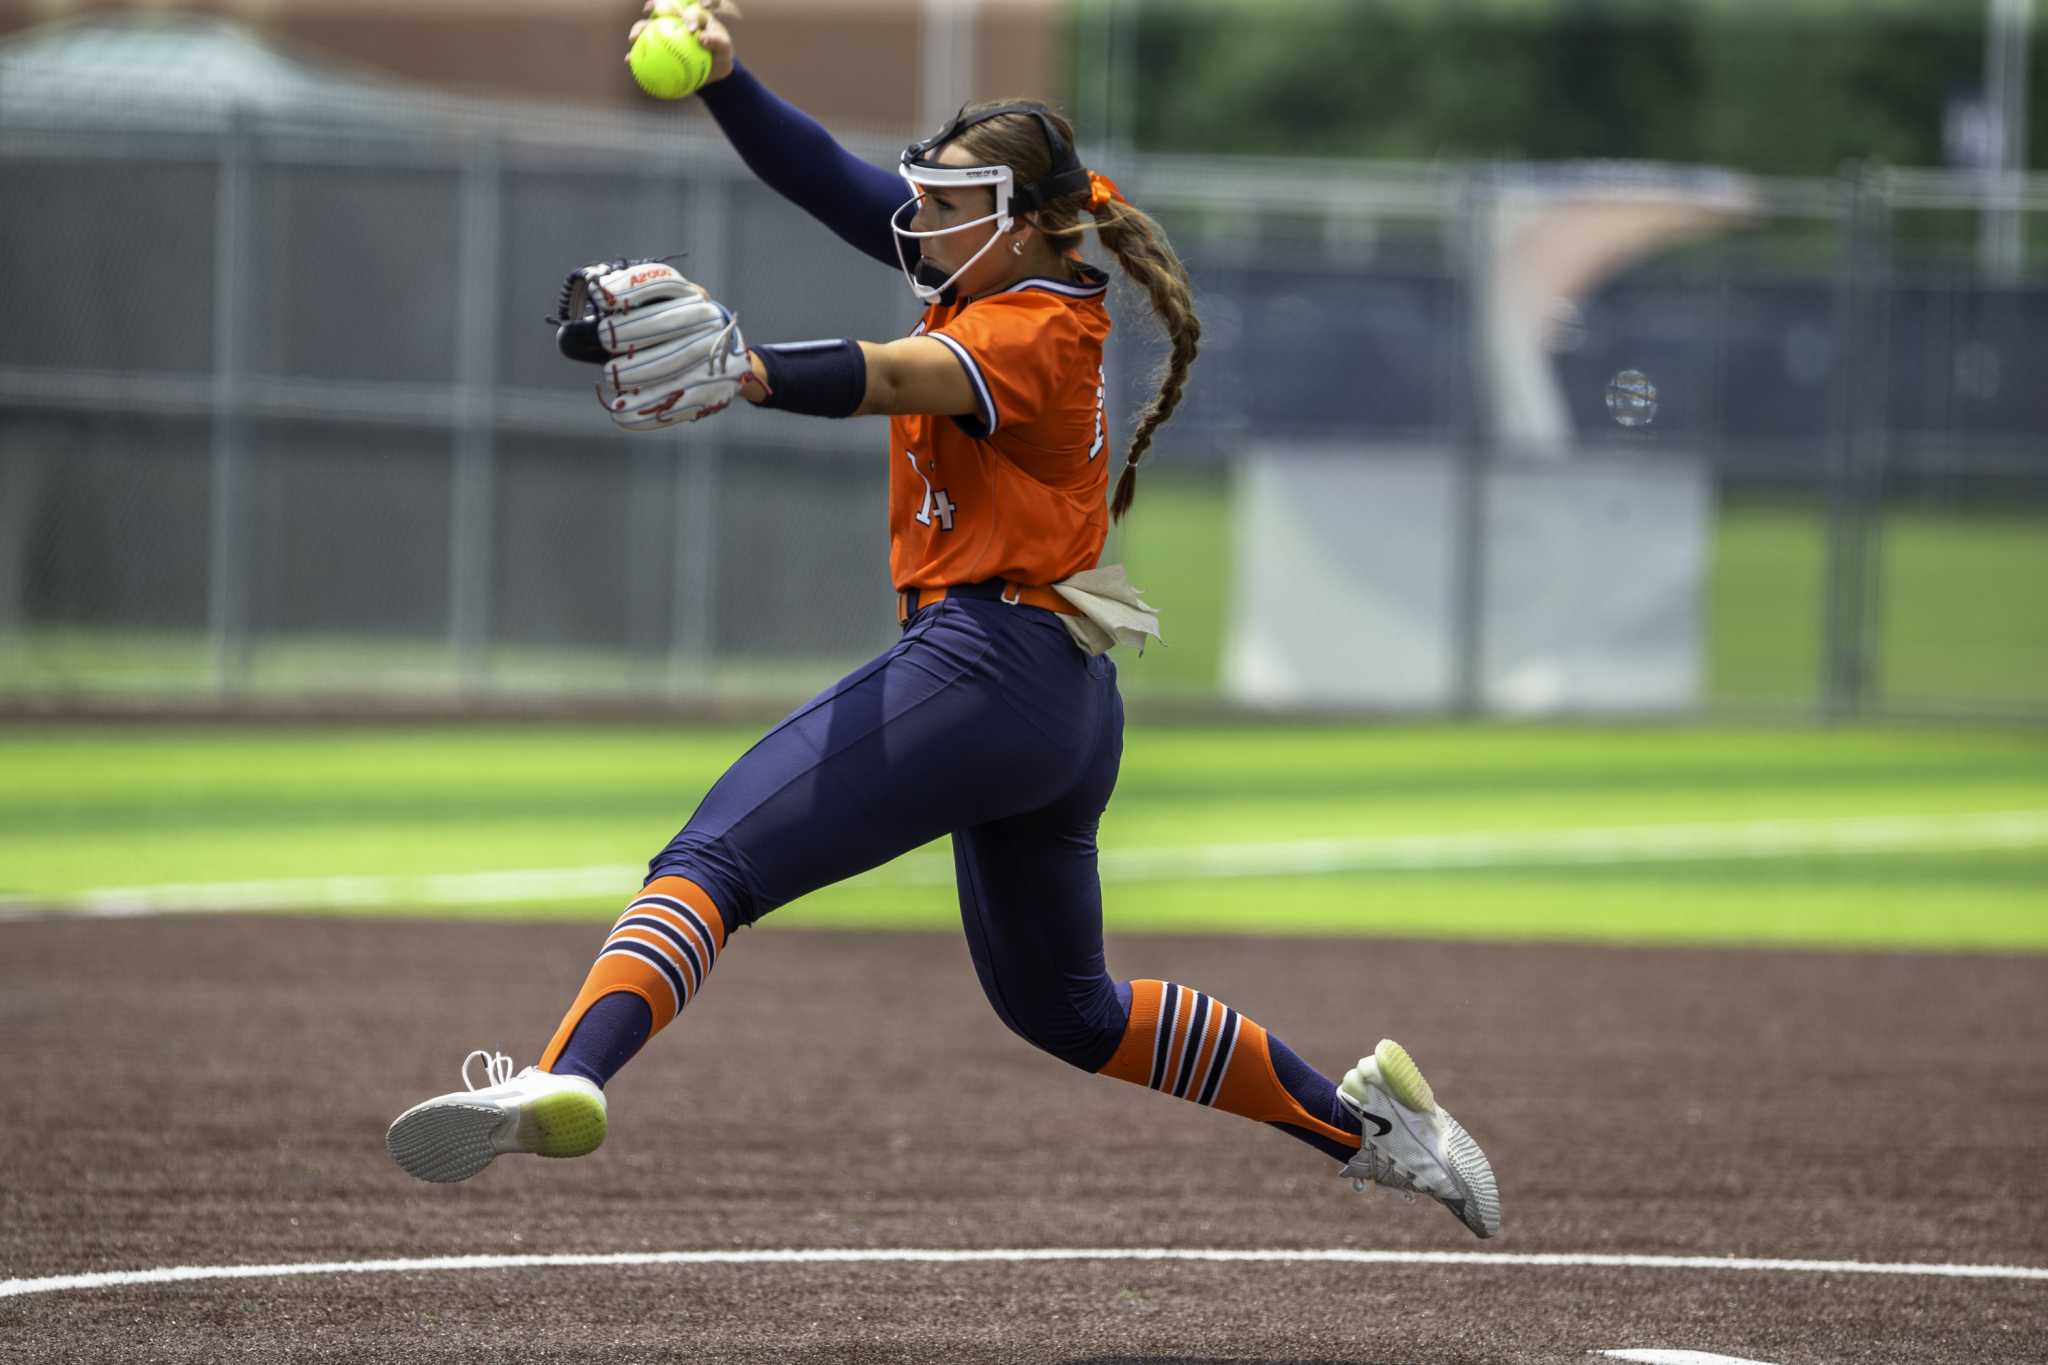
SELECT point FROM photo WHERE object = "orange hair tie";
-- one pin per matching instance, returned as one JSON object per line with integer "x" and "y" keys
{"x": 1101, "y": 189}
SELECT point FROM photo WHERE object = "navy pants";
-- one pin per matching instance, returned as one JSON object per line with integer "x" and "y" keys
{"x": 984, "y": 722}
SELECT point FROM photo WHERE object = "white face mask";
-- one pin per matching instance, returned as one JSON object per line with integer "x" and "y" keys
{"x": 922, "y": 177}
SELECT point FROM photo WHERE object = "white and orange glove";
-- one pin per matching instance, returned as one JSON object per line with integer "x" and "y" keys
{"x": 670, "y": 352}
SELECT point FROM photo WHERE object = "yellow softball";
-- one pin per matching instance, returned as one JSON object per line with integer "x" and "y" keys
{"x": 667, "y": 59}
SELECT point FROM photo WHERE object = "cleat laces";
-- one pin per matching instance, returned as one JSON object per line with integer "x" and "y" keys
{"x": 1372, "y": 1167}
{"x": 497, "y": 1069}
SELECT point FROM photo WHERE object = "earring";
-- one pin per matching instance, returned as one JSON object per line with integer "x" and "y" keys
{"x": 1016, "y": 248}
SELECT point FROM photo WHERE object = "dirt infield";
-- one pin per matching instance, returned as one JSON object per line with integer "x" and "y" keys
{"x": 213, "y": 1091}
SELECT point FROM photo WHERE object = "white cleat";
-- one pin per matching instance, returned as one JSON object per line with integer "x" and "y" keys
{"x": 453, "y": 1136}
{"x": 1412, "y": 1145}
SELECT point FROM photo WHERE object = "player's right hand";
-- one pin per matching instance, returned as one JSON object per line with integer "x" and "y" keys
{"x": 706, "y": 18}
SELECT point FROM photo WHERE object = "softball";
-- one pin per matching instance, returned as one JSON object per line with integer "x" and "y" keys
{"x": 668, "y": 61}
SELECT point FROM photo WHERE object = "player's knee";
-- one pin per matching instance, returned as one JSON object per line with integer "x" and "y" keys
{"x": 1081, "y": 1025}
{"x": 711, "y": 866}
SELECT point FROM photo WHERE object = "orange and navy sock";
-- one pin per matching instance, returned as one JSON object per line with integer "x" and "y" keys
{"x": 1188, "y": 1044}
{"x": 652, "y": 964}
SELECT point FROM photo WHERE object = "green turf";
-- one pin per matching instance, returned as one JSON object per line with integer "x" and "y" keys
{"x": 85, "y": 808}
{"x": 1766, "y": 590}
{"x": 1957, "y": 623}
{"x": 1964, "y": 617}
{"x": 1177, "y": 547}
{"x": 146, "y": 665}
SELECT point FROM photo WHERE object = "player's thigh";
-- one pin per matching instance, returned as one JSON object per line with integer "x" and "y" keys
{"x": 916, "y": 744}
{"x": 1031, "y": 898}
{"x": 1031, "y": 906}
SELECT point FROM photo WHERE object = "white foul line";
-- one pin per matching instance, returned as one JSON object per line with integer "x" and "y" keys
{"x": 1623, "y": 844}
{"x": 1658, "y": 1357}
{"x": 346, "y": 893}
{"x": 115, "y": 1279}
{"x": 1761, "y": 839}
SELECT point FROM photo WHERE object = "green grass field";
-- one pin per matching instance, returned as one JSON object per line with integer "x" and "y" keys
{"x": 1864, "y": 837}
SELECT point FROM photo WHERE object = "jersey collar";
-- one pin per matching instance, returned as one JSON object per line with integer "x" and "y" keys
{"x": 1091, "y": 284}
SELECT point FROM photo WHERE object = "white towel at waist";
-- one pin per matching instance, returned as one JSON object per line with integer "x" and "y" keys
{"x": 1112, "y": 613}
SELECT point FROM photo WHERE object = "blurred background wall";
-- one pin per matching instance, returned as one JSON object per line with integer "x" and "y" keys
{"x": 1557, "y": 357}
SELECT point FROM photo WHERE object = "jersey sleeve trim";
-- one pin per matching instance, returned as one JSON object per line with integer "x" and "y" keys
{"x": 988, "y": 418}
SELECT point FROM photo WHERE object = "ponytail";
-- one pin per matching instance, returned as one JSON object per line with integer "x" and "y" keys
{"x": 1009, "y": 138}
{"x": 1141, "y": 248}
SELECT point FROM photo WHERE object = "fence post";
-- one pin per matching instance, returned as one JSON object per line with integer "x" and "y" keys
{"x": 1856, "y": 455}
{"x": 471, "y": 512}
{"x": 693, "y": 637}
{"x": 2008, "y": 35}
{"x": 1471, "y": 435}
{"x": 227, "y": 595}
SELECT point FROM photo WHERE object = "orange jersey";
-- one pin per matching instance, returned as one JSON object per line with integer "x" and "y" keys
{"x": 1015, "y": 491}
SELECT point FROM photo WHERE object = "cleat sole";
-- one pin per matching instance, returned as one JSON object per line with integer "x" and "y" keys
{"x": 1480, "y": 1209}
{"x": 445, "y": 1142}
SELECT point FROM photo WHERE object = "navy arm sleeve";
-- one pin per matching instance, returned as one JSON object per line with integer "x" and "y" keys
{"x": 798, "y": 159}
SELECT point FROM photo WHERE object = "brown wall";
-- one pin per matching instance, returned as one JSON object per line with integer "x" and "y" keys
{"x": 852, "y": 63}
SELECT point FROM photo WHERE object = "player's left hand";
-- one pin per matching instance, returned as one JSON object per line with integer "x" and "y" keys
{"x": 670, "y": 352}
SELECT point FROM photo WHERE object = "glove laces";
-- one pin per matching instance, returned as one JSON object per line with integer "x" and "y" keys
{"x": 722, "y": 349}
{"x": 497, "y": 1069}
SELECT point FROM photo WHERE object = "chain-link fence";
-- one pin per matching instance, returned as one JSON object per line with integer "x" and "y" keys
{"x": 279, "y": 416}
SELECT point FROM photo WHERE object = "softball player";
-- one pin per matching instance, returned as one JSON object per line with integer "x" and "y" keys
{"x": 995, "y": 718}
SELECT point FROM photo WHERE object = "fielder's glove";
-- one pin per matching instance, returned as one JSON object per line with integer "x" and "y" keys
{"x": 670, "y": 352}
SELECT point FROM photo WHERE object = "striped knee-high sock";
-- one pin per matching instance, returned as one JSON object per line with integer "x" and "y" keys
{"x": 652, "y": 964}
{"x": 1192, "y": 1045}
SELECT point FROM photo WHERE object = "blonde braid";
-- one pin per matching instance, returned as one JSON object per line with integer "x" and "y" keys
{"x": 1141, "y": 248}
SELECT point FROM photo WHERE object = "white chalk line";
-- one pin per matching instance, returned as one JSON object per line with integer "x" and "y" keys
{"x": 119, "y": 1279}
{"x": 1623, "y": 844}
{"x": 1754, "y": 839}
{"x": 1662, "y": 1357}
